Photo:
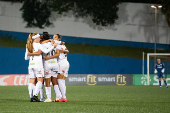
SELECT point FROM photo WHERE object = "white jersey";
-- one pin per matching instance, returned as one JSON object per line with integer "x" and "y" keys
{"x": 63, "y": 63}
{"x": 36, "y": 61}
{"x": 63, "y": 56}
{"x": 50, "y": 53}
{"x": 51, "y": 66}
{"x": 57, "y": 42}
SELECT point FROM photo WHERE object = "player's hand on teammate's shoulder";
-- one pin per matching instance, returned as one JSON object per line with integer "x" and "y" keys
{"x": 51, "y": 40}
{"x": 62, "y": 43}
{"x": 61, "y": 51}
{"x": 55, "y": 45}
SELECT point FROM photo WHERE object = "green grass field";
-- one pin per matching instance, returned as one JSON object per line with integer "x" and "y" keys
{"x": 90, "y": 99}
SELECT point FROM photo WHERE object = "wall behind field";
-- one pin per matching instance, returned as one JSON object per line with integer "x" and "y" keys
{"x": 135, "y": 23}
{"x": 13, "y": 62}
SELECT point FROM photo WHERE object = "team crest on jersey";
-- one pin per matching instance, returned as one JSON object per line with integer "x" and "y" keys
{"x": 47, "y": 73}
{"x": 51, "y": 62}
{"x": 39, "y": 72}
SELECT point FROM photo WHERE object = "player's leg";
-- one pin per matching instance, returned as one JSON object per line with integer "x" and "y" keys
{"x": 63, "y": 81}
{"x": 159, "y": 77}
{"x": 56, "y": 88}
{"x": 40, "y": 78}
{"x": 55, "y": 83}
{"x": 34, "y": 85}
{"x": 48, "y": 89}
{"x": 47, "y": 85}
{"x": 64, "y": 77}
{"x": 163, "y": 77}
{"x": 31, "y": 84}
{"x": 42, "y": 98}
{"x": 61, "y": 86}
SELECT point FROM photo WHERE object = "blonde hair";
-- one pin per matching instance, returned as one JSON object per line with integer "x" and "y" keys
{"x": 29, "y": 45}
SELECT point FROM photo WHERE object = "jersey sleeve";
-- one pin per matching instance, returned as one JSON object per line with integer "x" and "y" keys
{"x": 57, "y": 42}
{"x": 26, "y": 55}
{"x": 156, "y": 66}
{"x": 163, "y": 66}
{"x": 65, "y": 47}
{"x": 44, "y": 50}
{"x": 59, "y": 47}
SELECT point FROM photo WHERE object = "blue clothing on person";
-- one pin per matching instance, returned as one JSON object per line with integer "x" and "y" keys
{"x": 159, "y": 67}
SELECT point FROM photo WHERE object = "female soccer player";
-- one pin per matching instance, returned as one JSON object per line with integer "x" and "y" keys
{"x": 36, "y": 69}
{"x": 51, "y": 68}
{"x": 63, "y": 68}
{"x": 159, "y": 69}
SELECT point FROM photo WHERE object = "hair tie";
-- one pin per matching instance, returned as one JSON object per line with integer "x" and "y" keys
{"x": 35, "y": 36}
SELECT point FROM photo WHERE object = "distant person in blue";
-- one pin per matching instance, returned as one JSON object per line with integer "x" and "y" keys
{"x": 159, "y": 69}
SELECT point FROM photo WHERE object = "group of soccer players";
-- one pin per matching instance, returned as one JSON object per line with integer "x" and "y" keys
{"x": 47, "y": 63}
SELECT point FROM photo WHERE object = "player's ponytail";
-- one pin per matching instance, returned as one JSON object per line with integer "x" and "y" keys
{"x": 30, "y": 42}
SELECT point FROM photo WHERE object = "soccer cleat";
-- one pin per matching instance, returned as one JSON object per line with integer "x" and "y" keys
{"x": 65, "y": 100}
{"x": 61, "y": 100}
{"x": 160, "y": 87}
{"x": 36, "y": 98}
{"x": 32, "y": 100}
{"x": 48, "y": 100}
{"x": 167, "y": 87}
{"x": 56, "y": 100}
{"x": 43, "y": 99}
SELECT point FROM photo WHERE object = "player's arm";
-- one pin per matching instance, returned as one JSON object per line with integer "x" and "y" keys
{"x": 54, "y": 56}
{"x": 163, "y": 68}
{"x": 39, "y": 52}
{"x": 64, "y": 51}
{"x": 49, "y": 40}
{"x": 44, "y": 50}
{"x": 26, "y": 55}
{"x": 155, "y": 69}
{"x": 62, "y": 43}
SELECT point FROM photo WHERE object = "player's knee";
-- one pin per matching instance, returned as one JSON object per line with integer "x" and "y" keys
{"x": 47, "y": 82}
{"x": 32, "y": 80}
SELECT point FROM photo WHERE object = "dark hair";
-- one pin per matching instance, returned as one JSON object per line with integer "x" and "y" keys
{"x": 59, "y": 36}
{"x": 46, "y": 36}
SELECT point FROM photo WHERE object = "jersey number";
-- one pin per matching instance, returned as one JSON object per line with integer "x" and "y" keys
{"x": 51, "y": 53}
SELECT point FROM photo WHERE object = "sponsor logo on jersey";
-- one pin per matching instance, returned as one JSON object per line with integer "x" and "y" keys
{"x": 121, "y": 80}
{"x": 91, "y": 80}
{"x": 51, "y": 62}
{"x": 32, "y": 63}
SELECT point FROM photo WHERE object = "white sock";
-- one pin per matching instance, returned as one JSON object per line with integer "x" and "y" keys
{"x": 48, "y": 92}
{"x": 42, "y": 92}
{"x": 34, "y": 90}
{"x": 57, "y": 91}
{"x": 64, "y": 85}
{"x": 38, "y": 87}
{"x": 30, "y": 89}
{"x": 62, "y": 88}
